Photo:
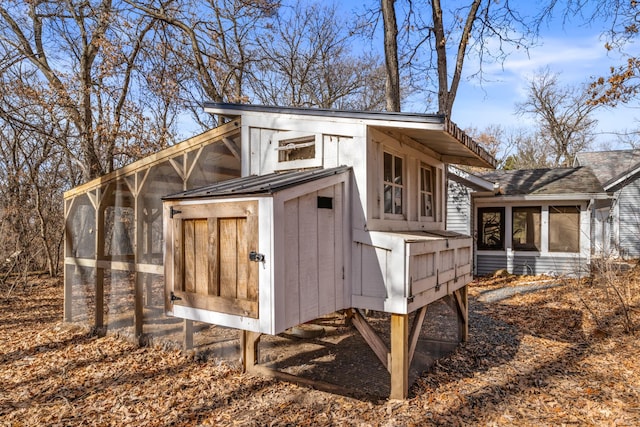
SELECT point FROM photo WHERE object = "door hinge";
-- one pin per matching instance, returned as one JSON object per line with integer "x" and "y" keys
{"x": 173, "y": 212}
{"x": 174, "y": 298}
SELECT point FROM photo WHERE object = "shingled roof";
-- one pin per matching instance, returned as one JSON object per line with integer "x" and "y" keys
{"x": 609, "y": 166}
{"x": 577, "y": 180}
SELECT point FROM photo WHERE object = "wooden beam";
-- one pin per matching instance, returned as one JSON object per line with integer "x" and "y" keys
{"x": 209, "y": 137}
{"x": 399, "y": 356}
{"x": 187, "y": 338}
{"x": 371, "y": 337}
{"x": 307, "y": 382}
{"x": 232, "y": 146}
{"x": 462, "y": 304}
{"x": 416, "y": 327}
{"x": 249, "y": 342}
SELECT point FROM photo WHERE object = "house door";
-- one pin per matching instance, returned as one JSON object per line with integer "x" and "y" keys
{"x": 213, "y": 268}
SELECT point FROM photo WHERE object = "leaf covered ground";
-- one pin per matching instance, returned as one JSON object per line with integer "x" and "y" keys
{"x": 540, "y": 352}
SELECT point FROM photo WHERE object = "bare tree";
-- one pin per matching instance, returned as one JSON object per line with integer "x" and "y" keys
{"x": 563, "y": 115}
{"x": 309, "y": 62}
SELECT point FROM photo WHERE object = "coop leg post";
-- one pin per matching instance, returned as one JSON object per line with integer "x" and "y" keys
{"x": 99, "y": 313}
{"x": 68, "y": 294}
{"x": 187, "y": 343}
{"x": 138, "y": 311}
{"x": 399, "y": 356}
{"x": 462, "y": 305}
{"x": 249, "y": 343}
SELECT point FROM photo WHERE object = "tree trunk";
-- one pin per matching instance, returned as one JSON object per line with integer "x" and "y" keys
{"x": 392, "y": 88}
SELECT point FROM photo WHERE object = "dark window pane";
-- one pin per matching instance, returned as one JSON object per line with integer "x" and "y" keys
{"x": 564, "y": 229}
{"x": 491, "y": 228}
{"x": 398, "y": 170}
{"x": 388, "y": 167}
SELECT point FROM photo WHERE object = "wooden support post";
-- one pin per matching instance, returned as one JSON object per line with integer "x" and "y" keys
{"x": 187, "y": 329}
{"x": 249, "y": 346}
{"x": 138, "y": 312}
{"x": 68, "y": 294}
{"x": 462, "y": 305}
{"x": 399, "y": 356}
{"x": 98, "y": 321}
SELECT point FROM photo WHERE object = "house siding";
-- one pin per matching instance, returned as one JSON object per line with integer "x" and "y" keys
{"x": 554, "y": 265}
{"x": 629, "y": 220}
{"x": 458, "y": 208}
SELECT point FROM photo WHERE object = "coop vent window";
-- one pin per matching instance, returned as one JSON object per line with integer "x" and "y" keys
{"x": 426, "y": 192}
{"x": 393, "y": 184}
{"x": 297, "y": 150}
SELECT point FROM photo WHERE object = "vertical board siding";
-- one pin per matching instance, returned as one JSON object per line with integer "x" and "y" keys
{"x": 291, "y": 263}
{"x": 629, "y": 219}
{"x": 228, "y": 257}
{"x": 201, "y": 258}
{"x": 308, "y": 256}
{"x": 189, "y": 259}
{"x": 326, "y": 255}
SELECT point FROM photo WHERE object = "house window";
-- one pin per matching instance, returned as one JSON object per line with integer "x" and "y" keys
{"x": 526, "y": 228}
{"x": 564, "y": 229}
{"x": 393, "y": 184}
{"x": 426, "y": 192}
{"x": 491, "y": 229}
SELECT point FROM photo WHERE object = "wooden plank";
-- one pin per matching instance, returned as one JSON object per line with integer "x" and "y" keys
{"x": 462, "y": 304}
{"x": 291, "y": 263}
{"x": 371, "y": 337}
{"x": 249, "y": 345}
{"x": 242, "y": 260}
{"x": 189, "y": 246}
{"x": 228, "y": 257}
{"x": 399, "y": 366}
{"x": 227, "y": 305}
{"x": 414, "y": 334}
{"x": 222, "y": 209}
{"x": 187, "y": 334}
{"x": 214, "y": 261}
{"x": 308, "y": 229}
{"x": 302, "y": 381}
{"x": 252, "y": 236}
{"x": 178, "y": 255}
{"x": 326, "y": 255}
{"x": 339, "y": 269}
{"x": 201, "y": 280}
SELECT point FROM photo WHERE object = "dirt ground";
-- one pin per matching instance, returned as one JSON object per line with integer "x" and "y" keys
{"x": 541, "y": 351}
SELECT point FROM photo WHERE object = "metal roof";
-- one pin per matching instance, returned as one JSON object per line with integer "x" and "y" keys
{"x": 258, "y": 184}
{"x": 433, "y": 131}
{"x": 323, "y": 112}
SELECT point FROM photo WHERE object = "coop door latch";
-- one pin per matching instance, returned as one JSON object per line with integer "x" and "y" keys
{"x": 256, "y": 257}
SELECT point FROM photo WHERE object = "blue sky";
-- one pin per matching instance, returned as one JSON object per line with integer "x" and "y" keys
{"x": 573, "y": 50}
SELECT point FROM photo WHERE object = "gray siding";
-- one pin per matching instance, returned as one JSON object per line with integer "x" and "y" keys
{"x": 458, "y": 208}
{"x": 552, "y": 265}
{"x": 629, "y": 226}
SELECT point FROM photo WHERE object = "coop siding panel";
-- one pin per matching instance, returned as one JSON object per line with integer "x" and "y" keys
{"x": 629, "y": 226}
{"x": 291, "y": 262}
{"x": 339, "y": 248}
{"x": 374, "y": 271}
{"x": 228, "y": 257}
{"x": 189, "y": 256}
{"x": 242, "y": 258}
{"x": 326, "y": 256}
{"x": 308, "y": 226}
{"x": 214, "y": 284}
{"x": 201, "y": 257}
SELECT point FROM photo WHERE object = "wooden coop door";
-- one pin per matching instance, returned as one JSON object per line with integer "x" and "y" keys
{"x": 214, "y": 268}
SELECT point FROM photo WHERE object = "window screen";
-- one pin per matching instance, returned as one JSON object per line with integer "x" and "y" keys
{"x": 526, "y": 228}
{"x": 564, "y": 229}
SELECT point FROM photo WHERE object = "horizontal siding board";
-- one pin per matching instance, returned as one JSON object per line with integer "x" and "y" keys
{"x": 629, "y": 218}
{"x": 458, "y": 208}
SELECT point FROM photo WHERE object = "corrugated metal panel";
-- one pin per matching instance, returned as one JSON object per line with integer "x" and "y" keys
{"x": 629, "y": 218}
{"x": 257, "y": 184}
{"x": 458, "y": 208}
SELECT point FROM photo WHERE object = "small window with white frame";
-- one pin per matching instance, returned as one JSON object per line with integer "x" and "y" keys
{"x": 427, "y": 193}
{"x": 297, "y": 150}
{"x": 394, "y": 186}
